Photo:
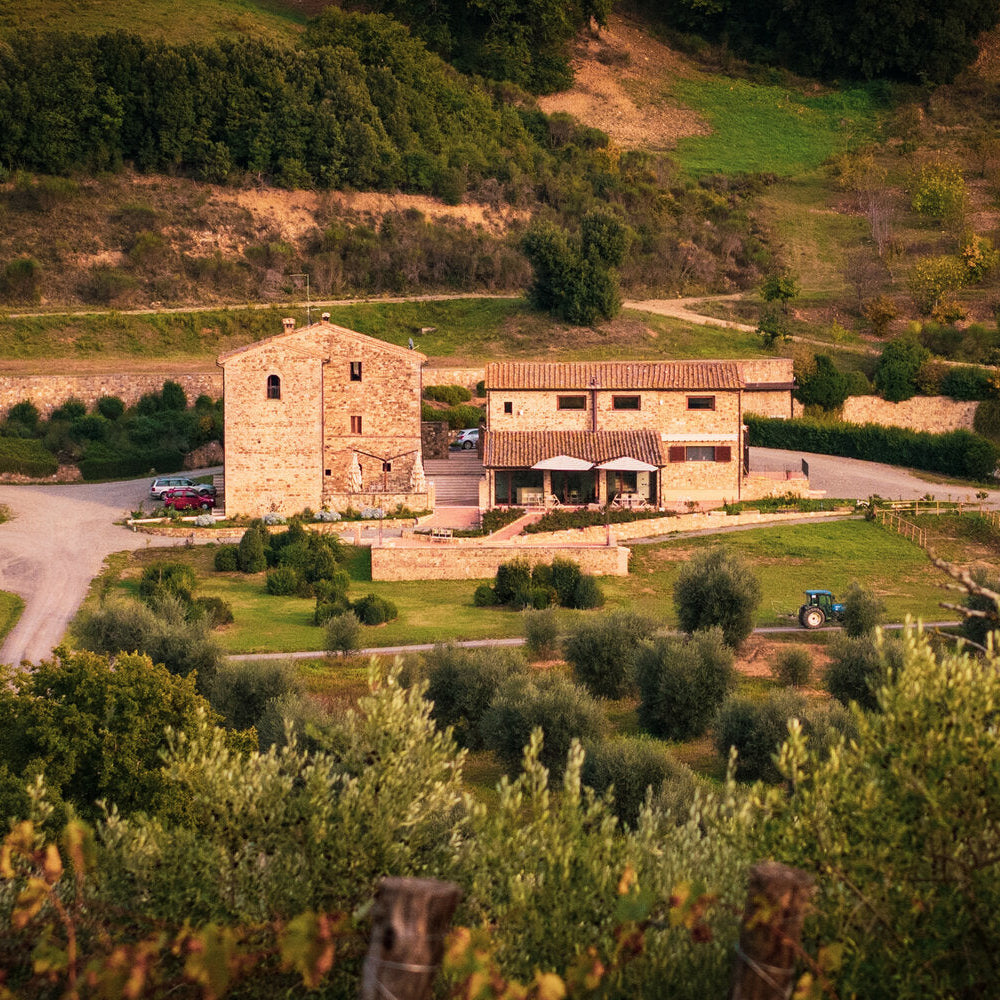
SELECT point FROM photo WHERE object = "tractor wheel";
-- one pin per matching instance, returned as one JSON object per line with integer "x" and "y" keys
{"x": 813, "y": 618}
{"x": 802, "y": 615}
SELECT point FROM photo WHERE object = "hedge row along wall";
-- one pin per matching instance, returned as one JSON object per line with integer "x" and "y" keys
{"x": 957, "y": 453}
{"x": 26, "y": 457}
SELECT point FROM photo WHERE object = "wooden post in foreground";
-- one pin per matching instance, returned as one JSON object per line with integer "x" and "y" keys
{"x": 410, "y": 920}
{"x": 777, "y": 898}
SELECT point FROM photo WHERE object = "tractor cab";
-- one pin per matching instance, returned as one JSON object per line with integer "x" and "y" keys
{"x": 819, "y": 608}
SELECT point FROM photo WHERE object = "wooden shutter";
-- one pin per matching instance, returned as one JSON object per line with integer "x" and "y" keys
{"x": 676, "y": 453}
{"x": 723, "y": 454}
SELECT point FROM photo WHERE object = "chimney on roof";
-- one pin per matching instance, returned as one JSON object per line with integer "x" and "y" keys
{"x": 288, "y": 324}
{"x": 325, "y": 317}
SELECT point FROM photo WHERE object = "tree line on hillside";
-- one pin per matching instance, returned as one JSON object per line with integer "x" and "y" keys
{"x": 862, "y": 39}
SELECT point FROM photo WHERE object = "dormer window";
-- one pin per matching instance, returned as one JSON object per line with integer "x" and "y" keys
{"x": 355, "y": 371}
{"x": 273, "y": 387}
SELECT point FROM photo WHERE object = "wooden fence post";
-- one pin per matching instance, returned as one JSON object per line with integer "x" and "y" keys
{"x": 777, "y": 898}
{"x": 409, "y": 921}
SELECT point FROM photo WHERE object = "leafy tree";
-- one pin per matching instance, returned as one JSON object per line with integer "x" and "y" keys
{"x": 603, "y": 651}
{"x": 859, "y": 667}
{"x": 897, "y": 368}
{"x": 779, "y": 287}
{"x": 940, "y": 193}
{"x": 717, "y": 587}
{"x": 541, "y": 633}
{"x": 792, "y": 665}
{"x": 824, "y": 386}
{"x": 342, "y": 632}
{"x": 862, "y": 610}
{"x": 682, "y": 682}
{"x": 94, "y": 728}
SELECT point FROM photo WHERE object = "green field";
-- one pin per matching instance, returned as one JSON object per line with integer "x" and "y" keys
{"x": 772, "y": 129}
{"x": 11, "y": 607}
{"x": 787, "y": 559}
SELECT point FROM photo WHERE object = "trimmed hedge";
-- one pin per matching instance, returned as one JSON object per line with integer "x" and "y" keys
{"x": 26, "y": 457}
{"x": 102, "y": 463}
{"x": 450, "y": 394}
{"x": 956, "y": 453}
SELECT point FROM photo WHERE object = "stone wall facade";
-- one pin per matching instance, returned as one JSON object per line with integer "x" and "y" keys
{"x": 48, "y": 392}
{"x": 473, "y": 559}
{"x": 435, "y": 438}
{"x": 937, "y": 414}
{"x": 316, "y": 413}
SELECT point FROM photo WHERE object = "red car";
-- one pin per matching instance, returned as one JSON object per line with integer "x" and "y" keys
{"x": 187, "y": 498}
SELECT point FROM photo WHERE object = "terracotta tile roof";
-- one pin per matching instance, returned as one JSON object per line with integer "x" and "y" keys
{"x": 614, "y": 375}
{"x": 522, "y": 449}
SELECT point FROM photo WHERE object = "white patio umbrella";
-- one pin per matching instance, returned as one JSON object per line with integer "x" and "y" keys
{"x": 564, "y": 463}
{"x": 626, "y": 464}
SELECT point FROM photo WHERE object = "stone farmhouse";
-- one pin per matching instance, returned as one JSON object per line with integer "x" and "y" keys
{"x": 631, "y": 433}
{"x": 322, "y": 416}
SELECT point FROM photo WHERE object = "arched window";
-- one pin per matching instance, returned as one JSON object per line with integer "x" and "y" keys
{"x": 273, "y": 387}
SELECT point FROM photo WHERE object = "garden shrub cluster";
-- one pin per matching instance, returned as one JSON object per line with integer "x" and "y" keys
{"x": 450, "y": 394}
{"x": 457, "y": 417}
{"x": 111, "y": 441}
{"x": 956, "y": 453}
{"x": 518, "y": 584}
{"x": 560, "y": 520}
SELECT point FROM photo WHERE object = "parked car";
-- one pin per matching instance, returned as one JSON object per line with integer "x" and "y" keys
{"x": 163, "y": 483}
{"x": 467, "y": 439}
{"x": 187, "y": 498}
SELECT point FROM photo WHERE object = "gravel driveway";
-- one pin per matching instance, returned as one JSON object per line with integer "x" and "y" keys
{"x": 53, "y": 546}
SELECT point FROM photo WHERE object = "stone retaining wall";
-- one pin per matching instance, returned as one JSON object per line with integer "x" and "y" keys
{"x": 937, "y": 414}
{"x": 473, "y": 559}
{"x": 48, "y": 392}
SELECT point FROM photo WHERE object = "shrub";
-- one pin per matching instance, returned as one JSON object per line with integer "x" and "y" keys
{"x": 792, "y": 665}
{"x": 897, "y": 368}
{"x": 450, "y": 394}
{"x": 967, "y": 383}
{"x": 859, "y": 667}
{"x": 462, "y": 683}
{"x": 862, "y": 610}
{"x": 987, "y": 420}
{"x": 565, "y": 577}
{"x": 636, "y": 768}
{"x": 561, "y": 709}
{"x": 858, "y": 384}
{"x": 26, "y": 457}
{"x": 880, "y": 311}
{"x": 24, "y": 415}
{"x": 513, "y": 582}
{"x": 939, "y": 193}
{"x": 216, "y": 611}
{"x": 342, "y": 632}
{"x": 603, "y": 651}
{"x": 19, "y": 281}
{"x": 717, "y": 587}
{"x": 682, "y": 682}
{"x": 541, "y": 633}
{"x": 485, "y": 596}
{"x": 170, "y": 577}
{"x": 71, "y": 409}
{"x": 226, "y": 559}
{"x": 757, "y": 729}
{"x": 374, "y": 610}
{"x": 250, "y": 556}
{"x": 825, "y": 386}
{"x": 110, "y": 407}
{"x": 282, "y": 581}
{"x": 541, "y": 597}
{"x": 588, "y": 594}
{"x": 241, "y": 690}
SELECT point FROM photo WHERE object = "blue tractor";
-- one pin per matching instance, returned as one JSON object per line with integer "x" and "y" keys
{"x": 820, "y": 607}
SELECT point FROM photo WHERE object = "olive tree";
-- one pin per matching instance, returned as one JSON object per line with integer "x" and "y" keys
{"x": 717, "y": 587}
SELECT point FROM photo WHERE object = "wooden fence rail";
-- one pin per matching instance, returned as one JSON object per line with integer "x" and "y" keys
{"x": 902, "y": 527}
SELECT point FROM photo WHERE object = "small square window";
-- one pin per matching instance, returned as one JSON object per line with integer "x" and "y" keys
{"x": 328, "y": 472}
{"x": 355, "y": 371}
{"x": 701, "y": 402}
{"x": 355, "y": 424}
{"x": 387, "y": 466}
{"x": 508, "y": 407}
{"x": 571, "y": 402}
{"x": 625, "y": 402}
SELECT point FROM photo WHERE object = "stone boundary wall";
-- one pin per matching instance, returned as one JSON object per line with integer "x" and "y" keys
{"x": 434, "y": 438}
{"x": 48, "y": 392}
{"x": 936, "y": 414}
{"x": 466, "y": 377}
{"x": 473, "y": 559}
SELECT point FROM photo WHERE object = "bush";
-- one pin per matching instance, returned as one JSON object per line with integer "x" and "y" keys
{"x": 588, "y": 594}
{"x": 110, "y": 407}
{"x": 967, "y": 383}
{"x": 215, "y": 610}
{"x": 940, "y": 193}
{"x": 824, "y": 386}
{"x": 956, "y": 453}
{"x": 682, "y": 682}
{"x": 987, "y": 420}
{"x": 858, "y": 384}
{"x": 462, "y": 683}
{"x": 283, "y": 581}
{"x": 513, "y": 582}
{"x": 757, "y": 729}
{"x": 859, "y": 667}
{"x": 792, "y": 665}
{"x": 561, "y": 709}
{"x": 862, "y": 610}
{"x": 241, "y": 690}
{"x": 168, "y": 577}
{"x": 250, "y": 556}
{"x": 342, "y": 632}
{"x": 541, "y": 633}
{"x": 450, "y": 394}
{"x": 565, "y": 577}
{"x": 603, "y": 652}
{"x": 717, "y": 587}
{"x": 485, "y": 596}
{"x": 374, "y": 610}
{"x": 897, "y": 368}
{"x": 26, "y": 457}
{"x": 636, "y": 768}
{"x": 226, "y": 559}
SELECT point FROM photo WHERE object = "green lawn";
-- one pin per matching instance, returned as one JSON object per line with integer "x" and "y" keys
{"x": 11, "y": 607}
{"x": 764, "y": 128}
{"x": 787, "y": 559}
